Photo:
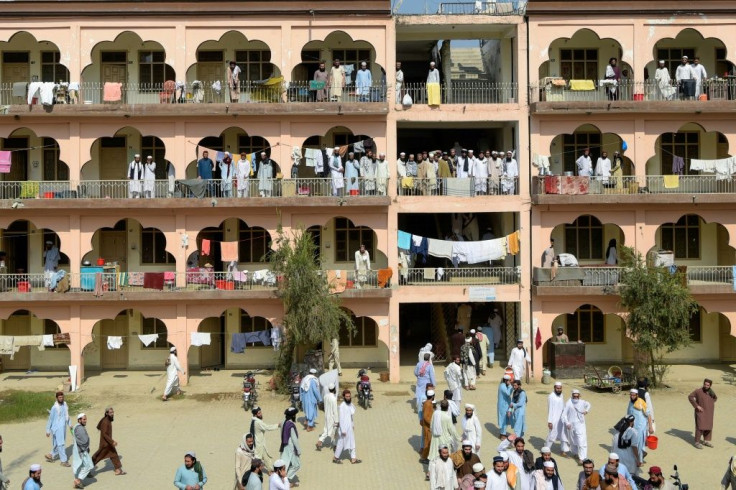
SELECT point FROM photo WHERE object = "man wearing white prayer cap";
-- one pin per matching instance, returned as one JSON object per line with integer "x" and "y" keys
{"x": 278, "y": 479}
{"x": 149, "y": 177}
{"x": 310, "y": 398}
{"x": 546, "y": 457}
{"x": 33, "y": 482}
{"x": 502, "y": 404}
{"x": 623, "y": 471}
{"x": 469, "y": 458}
{"x": 557, "y": 431}
{"x": 442, "y": 470}
{"x": 135, "y": 176}
{"x": 81, "y": 458}
{"x": 573, "y": 417}
{"x": 331, "y": 417}
{"x": 337, "y": 171}
{"x": 173, "y": 368}
{"x": 191, "y": 473}
{"x": 472, "y": 430}
{"x": 546, "y": 477}
{"x": 51, "y": 258}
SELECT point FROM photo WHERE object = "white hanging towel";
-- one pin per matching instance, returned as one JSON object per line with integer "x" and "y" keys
{"x": 114, "y": 342}
{"x": 148, "y": 339}
{"x": 48, "y": 341}
{"x": 201, "y": 338}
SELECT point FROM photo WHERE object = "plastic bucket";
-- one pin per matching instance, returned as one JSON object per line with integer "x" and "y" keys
{"x": 638, "y": 97}
{"x": 100, "y": 261}
{"x": 652, "y": 442}
{"x": 219, "y": 284}
{"x": 48, "y": 195}
{"x": 510, "y": 372}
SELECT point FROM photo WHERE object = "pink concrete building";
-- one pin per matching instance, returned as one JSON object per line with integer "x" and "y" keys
{"x": 86, "y": 87}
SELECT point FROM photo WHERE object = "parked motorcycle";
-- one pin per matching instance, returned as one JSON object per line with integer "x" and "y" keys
{"x": 642, "y": 484}
{"x": 250, "y": 391}
{"x": 363, "y": 387}
{"x": 677, "y": 482}
{"x": 295, "y": 397}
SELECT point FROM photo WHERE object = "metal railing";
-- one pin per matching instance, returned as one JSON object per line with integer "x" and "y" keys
{"x": 628, "y": 90}
{"x": 610, "y": 276}
{"x": 468, "y": 187}
{"x": 197, "y": 279}
{"x": 465, "y": 276}
{"x": 641, "y": 184}
{"x": 465, "y": 92}
{"x": 709, "y": 275}
{"x": 500, "y": 7}
{"x": 162, "y": 189}
{"x": 274, "y": 90}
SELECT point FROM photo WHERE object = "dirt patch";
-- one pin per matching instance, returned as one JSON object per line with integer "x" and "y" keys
{"x": 214, "y": 397}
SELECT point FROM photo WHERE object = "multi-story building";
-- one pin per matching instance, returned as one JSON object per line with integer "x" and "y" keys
{"x": 151, "y": 79}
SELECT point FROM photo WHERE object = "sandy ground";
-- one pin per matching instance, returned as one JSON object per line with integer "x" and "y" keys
{"x": 153, "y": 436}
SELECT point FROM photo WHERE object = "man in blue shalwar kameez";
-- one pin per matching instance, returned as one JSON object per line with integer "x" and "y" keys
{"x": 56, "y": 429}
{"x": 310, "y": 398}
{"x": 502, "y": 406}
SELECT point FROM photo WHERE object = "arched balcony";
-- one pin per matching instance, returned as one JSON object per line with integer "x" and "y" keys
{"x": 128, "y": 70}
{"x": 26, "y": 59}
{"x": 35, "y": 168}
{"x": 604, "y": 335}
{"x": 108, "y": 173}
{"x": 49, "y": 358}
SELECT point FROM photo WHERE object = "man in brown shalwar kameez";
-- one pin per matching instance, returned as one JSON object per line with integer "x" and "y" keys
{"x": 426, "y": 423}
{"x": 704, "y": 402}
{"x": 107, "y": 444}
{"x": 321, "y": 75}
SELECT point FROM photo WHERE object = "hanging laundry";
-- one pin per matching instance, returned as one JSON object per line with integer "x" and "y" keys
{"x": 114, "y": 342}
{"x": 724, "y": 168}
{"x": 678, "y": 165}
{"x": 429, "y": 273}
{"x": 358, "y": 147}
{"x": 542, "y": 163}
{"x": 671, "y": 181}
{"x": 6, "y": 345}
{"x": 33, "y": 88}
{"x": 513, "y": 243}
{"x": 343, "y": 150}
{"x": 201, "y": 338}
{"x": 148, "y": 339}
{"x": 205, "y": 247}
{"x": 384, "y": 277}
{"x": 310, "y": 156}
{"x": 48, "y": 340}
{"x": 229, "y": 251}
{"x": 20, "y": 89}
{"x": 440, "y": 273}
{"x": 153, "y": 280}
{"x": 112, "y": 92}
{"x": 262, "y": 336}
{"x": 418, "y": 245}
{"x": 404, "y": 241}
{"x": 481, "y": 251}
{"x": 47, "y": 93}
{"x": 439, "y": 248}
{"x": 237, "y": 343}
{"x": 28, "y": 340}
{"x": 702, "y": 165}
{"x": 5, "y": 161}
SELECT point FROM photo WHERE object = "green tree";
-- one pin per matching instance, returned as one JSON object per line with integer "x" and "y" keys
{"x": 312, "y": 314}
{"x": 659, "y": 307}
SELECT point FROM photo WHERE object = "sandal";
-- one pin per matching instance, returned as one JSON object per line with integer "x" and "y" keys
{"x": 49, "y": 459}
{"x": 121, "y": 473}
{"x": 336, "y": 461}
{"x": 356, "y": 461}
{"x": 66, "y": 465}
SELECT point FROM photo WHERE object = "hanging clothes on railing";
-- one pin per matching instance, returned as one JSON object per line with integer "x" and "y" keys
{"x": 148, "y": 339}
{"x": 201, "y": 338}
{"x": 114, "y": 342}
{"x": 678, "y": 165}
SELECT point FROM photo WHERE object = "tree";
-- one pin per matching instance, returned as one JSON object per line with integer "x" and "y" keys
{"x": 659, "y": 307}
{"x": 311, "y": 313}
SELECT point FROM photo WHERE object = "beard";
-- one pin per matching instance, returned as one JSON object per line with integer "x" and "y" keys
{"x": 111, "y": 417}
{"x": 444, "y": 458}
{"x": 467, "y": 456}
{"x": 349, "y": 401}
{"x": 468, "y": 416}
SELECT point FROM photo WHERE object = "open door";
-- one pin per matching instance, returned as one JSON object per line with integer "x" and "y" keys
{"x": 212, "y": 355}
{"x": 116, "y": 359}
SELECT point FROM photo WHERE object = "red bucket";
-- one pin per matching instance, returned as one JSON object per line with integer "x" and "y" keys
{"x": 354, "y": 192}
{"x": 652, "y": 442}
{"x": 510, "y": 372}
{"x": 100, "y": 261}
{"x": 638, "y": 97}
{"x": 220, "y": 284}
{"x": 24, "y": 287}
{"x": 48, "y": 195}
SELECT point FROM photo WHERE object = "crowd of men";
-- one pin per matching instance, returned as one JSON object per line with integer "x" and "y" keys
{"x": 492, "y": 172}
{"x": 451, "y": 453}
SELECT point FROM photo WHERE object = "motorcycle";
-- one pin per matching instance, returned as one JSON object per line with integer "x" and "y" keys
{"x": 363, "y": 387}
{"x": 677, "y": 482}
{"x": 295, "y": 391}
{"x": 250, "y": 392}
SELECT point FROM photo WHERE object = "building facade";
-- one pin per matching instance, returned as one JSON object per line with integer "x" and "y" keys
{"x": 179, "y": 258}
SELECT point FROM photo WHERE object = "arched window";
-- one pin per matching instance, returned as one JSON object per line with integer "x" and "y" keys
{"x": 366, "y": 333}
{"x": 587, "y": 325}
{"x": 584, "y": 238}
{"x": 683, "y": 237}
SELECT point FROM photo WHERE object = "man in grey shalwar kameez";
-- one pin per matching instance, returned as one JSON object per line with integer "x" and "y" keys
{"x": 265, "y": 176}
{"x": 82, "y": 462}
{"x": 290, "y": 450}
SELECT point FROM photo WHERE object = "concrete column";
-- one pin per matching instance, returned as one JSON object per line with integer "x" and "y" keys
{"x": 393, "y": 340}
{"x": 180, "y": 339}
{"x": 180, "y": 54}
{"x": 641, "y": 152}
{"x": 183, "y": 252}
{"x": 525, "y": 296}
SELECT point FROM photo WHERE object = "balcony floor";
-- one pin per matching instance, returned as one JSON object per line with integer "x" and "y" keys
{"x": 630, "y": 106}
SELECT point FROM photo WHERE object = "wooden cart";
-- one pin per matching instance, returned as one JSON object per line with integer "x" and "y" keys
{"x": 615, "y": 379}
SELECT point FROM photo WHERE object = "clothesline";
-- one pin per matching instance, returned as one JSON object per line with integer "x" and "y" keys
{"x": 472, "y": 252}
{"x": 249, "y": 153}
{"x": 30, "y": 148}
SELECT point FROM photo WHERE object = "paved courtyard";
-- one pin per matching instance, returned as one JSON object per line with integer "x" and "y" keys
{"x": 153, "y": 436}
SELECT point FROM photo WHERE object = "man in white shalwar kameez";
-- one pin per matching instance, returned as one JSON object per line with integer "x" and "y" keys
{"x": 479, "y": 171}
{"x": 467, "y": 357}
{"x": 664, "y": 83}
{"x": 513, "y": 447}
{"x": 497, "y": 479}
{"x": 336, "y": 172}
{"x": 345, "y": 434}
{"x": 510, "y": 174}
{"x": 135, "y": 174}
{"x": 242, "y": 175}
{"x": 518, "y": 360}
{"x": 471, "y": 428}
{"x": 381, "y": 175}
{"x": 573, "y": 416}
{"x": 149, "y": 178}
{"x": 555, "y": 406}
{"x": 699, "y": 74}
{"x": 443, "y": 431}
{"x": 442, "y": 474}
{"x": 259, "y": 428}
{"x": 454, "y": 377}
{"x": 173, "y": 368}
{"x": 330, "y": 402}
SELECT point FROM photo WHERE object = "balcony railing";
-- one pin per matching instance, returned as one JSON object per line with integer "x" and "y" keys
{"x": 465, "y": 92}
{"x": 559, "y": 90}
{"x": 500, "y": 7}
{"x": 200, "y": 279}
{"x": 606, "y": 276}
{"x": 466, "y": 276}
{"x": 274, "y": 90}
{"x": 634, "y": 184}
{"x": 161, "y": 189}
{"x": 468, "y": 187}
